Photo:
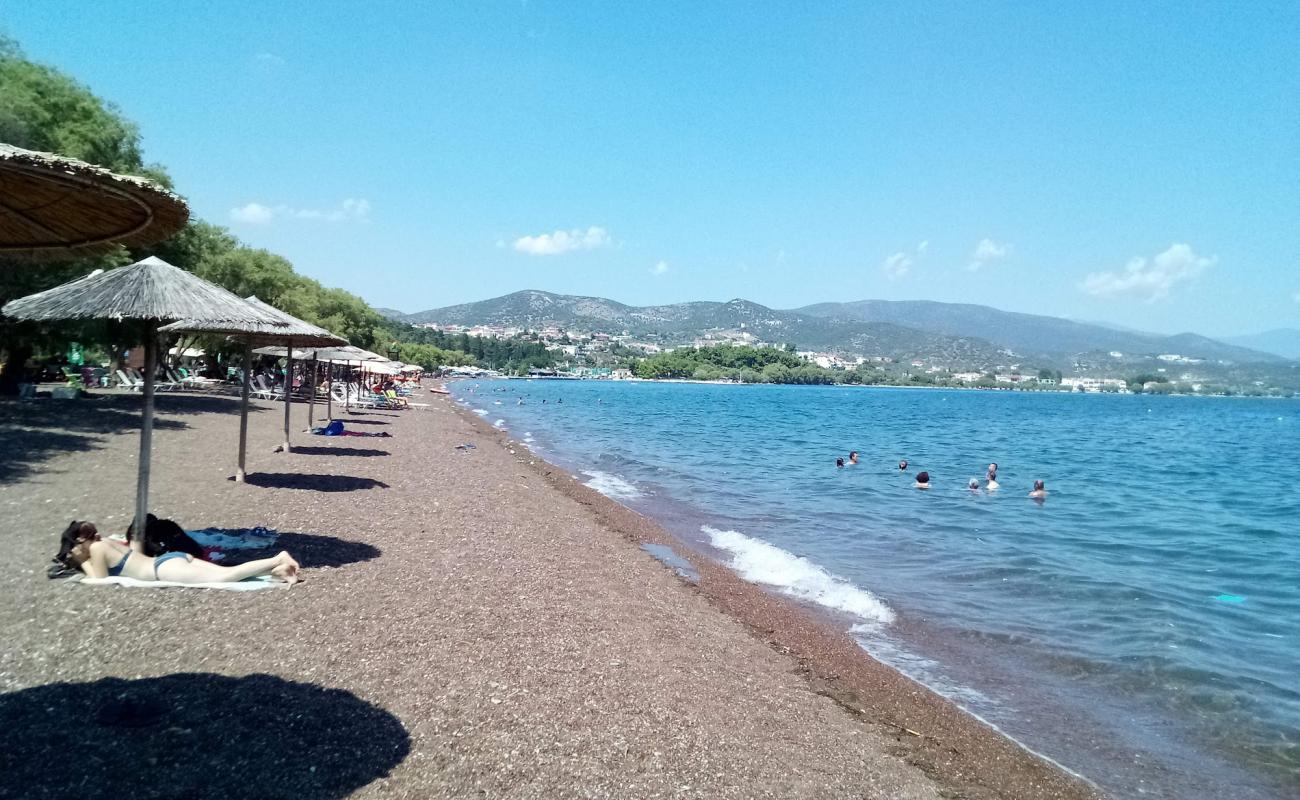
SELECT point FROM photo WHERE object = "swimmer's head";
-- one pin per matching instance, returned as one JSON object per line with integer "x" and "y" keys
{"x": 922, "y": 477}
{"x": 839, "y": 462}
{"x": 853, "y": 456}
{"x": 974, "y": 483}
{"x": 1038, "y": 486}
{"x": 902, "y": 464}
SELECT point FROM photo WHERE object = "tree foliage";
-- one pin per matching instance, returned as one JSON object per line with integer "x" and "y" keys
{"x": 44, "y": 109}
{"x": 728, "y": 362}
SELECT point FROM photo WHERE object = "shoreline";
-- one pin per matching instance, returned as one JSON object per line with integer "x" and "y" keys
{"x": 960, "y": 750}
{"x": 895, "y": 386}
{"x": 495, "y": 620}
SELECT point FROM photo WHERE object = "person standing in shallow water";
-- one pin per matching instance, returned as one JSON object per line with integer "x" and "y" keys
{"x": 991, "y": 479}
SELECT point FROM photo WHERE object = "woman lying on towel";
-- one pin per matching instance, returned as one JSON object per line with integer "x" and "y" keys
{"x": 82, "y": 548}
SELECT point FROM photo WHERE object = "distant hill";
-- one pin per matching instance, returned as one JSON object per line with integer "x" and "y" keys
{"x": 959, "y": 334}
{"x": 392, "y": 313}
{"x": 1033, "y": 335}
{"x": 1284, "y": 342}
{"x": 682, "y": 323}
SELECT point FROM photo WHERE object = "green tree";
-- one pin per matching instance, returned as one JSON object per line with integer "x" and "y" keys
{"x": 43, "y": 109}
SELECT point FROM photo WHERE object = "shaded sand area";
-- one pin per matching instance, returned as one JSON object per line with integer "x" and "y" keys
{"x": 473, "y": 623}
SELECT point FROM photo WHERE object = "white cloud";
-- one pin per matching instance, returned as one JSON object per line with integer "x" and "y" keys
{"x": 1150, "y": 278}
{"x": 553, "y": 244}
{"x": 660, "y": 268}
{"x": 988, "y": 252}
{"x": 897, "y": 265}
{"x": 253, "y": 214}
{"x": 900, "y": 263}
{"x": 350, "y": 210}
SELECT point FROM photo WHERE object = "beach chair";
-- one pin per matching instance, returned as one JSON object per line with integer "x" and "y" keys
{"x": 262, "y": 391}
{"x": 189, "y": 380}
{"x": 158, "y": 385}
{"x": 353, "y": 396}
{"x": 127, "y": 382}
{"x": 395, "y": 401}
{"x": 74, "y": 378}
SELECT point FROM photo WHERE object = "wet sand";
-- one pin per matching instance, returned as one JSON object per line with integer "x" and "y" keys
{"x": 473, "y": 622}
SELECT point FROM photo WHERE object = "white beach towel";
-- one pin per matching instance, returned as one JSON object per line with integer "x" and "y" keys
{"x": 252, "y": 584}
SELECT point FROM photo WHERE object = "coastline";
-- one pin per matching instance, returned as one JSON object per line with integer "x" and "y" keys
{"x": 496, "y": 613}
{"x": 962, "y": 752}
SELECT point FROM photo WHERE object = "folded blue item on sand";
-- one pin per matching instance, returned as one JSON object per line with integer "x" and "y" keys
{"x": 335, "y": 428}
{"x": 235, "y": 538}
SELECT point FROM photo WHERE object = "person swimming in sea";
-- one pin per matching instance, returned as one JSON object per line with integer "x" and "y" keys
{"x": 853, "y": 458}
{"x": 839, "y": 462}
{"x": 991, "y": 479}
{"x": 1039, "y": 491}
{"x": 922, "y": 480}
{"x": 974, "y": 484}
{"x": 902, "y": 465}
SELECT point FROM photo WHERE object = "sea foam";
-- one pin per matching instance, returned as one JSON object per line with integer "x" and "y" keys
{"x": 482, "y": 412}
{"x": 611, "y": 485}
{"x": 760, "y": 562}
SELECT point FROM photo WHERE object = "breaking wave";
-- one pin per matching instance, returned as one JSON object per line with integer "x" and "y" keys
{"x": 759, "y": 562}
{"x": 611, "y": 485}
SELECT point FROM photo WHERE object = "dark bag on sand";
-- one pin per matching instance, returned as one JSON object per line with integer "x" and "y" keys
{"x": 165, "y": 536}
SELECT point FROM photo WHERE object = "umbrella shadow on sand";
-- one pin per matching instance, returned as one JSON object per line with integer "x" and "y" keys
{"x": 300, "y": 450}
{"x": 194, "y": 735}
{"x": 310, "y": 550}
{"x": 310, "y": 482}
{"x": 31, "y": 433}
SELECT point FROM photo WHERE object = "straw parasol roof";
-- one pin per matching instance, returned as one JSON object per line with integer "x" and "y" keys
{"x": 299, "y": 353}
{"x": 150, "y": 289}
{"x": 284, "y": 328}
{"x": 52, "y": 206}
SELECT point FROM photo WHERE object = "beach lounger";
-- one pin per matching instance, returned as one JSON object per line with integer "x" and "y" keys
{"x": 73, "y": 378}
{"x": 395, "y": 401}
{"x": 125, "y": 381}
{"x": 158, "y": 385}
{"x": 262, "y": 391}
{"x": 191, "y": 381}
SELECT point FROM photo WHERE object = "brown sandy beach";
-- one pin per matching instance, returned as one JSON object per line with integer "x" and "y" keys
{"x": 473, "y": 623}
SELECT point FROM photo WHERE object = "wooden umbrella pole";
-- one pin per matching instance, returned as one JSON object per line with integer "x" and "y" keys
{"x": 243, "y": 413}
{"x": 288, "y": 392}
{"x": 146, "y": 429}
{"x": 329, "y": 390}
{"x": 311, "y": 403}
{"x": 347, "y": 392}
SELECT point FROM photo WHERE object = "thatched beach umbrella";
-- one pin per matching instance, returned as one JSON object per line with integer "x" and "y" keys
{"x": 52, "y": 207}
{"x": 286, "y": 329}
{"x": 151, "y": 291}
{"x": 329, "y": 355}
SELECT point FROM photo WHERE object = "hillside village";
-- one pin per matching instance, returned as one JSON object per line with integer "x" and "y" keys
{"x": 606, "y": 355}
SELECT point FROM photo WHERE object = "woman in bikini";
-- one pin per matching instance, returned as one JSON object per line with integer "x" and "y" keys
{"x": 82, "y": 548}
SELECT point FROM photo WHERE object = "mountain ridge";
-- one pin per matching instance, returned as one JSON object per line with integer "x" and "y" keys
{"x": 974, "y": 332}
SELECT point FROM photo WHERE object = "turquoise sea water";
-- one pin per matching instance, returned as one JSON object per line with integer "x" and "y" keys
{"x": 1139, "y": 626}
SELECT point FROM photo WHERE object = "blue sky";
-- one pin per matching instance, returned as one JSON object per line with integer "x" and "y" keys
{"x": 1131, "y": 163}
